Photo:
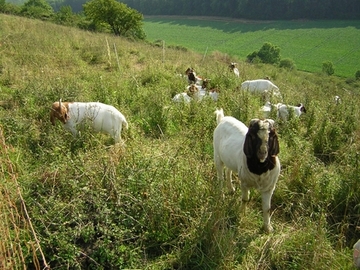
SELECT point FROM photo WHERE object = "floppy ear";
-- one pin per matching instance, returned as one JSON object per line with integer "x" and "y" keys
{"x": 249, "y": 138}
{"x": 248, "y": 149}
{"x": 274, "y": 148}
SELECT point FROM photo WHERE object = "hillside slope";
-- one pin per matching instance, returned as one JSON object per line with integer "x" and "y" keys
{"x": 154, "y": 202}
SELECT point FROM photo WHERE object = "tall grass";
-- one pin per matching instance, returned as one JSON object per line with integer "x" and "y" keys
{"x": 153, "y": 202}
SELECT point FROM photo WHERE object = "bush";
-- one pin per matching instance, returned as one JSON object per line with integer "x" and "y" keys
{"x": 268, "y": 54}
{"x": 287, "y": 63}
{"x": 328, "y": 68}
{"x": 357, "y": 75}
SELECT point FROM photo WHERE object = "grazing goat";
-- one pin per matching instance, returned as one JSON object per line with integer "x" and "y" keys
{"x": 182, "y": 97}
{"x": 192, "y": 77}
{"x": 102, "y": 118}
{"x": 197, "y": 92}
{"x": 212, "y": 92}
{"x": 283, "y": 110}
{"x": 261, "y": 86}
{"x": 252, "y": 154}
{"x": 234, "y": 69}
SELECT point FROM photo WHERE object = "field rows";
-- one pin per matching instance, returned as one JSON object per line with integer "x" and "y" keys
{"x": 308, "y": 43}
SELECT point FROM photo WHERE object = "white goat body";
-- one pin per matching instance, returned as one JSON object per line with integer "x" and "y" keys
{"x": 283, "y": 110}
{"x": 196, "y": 92}
{"x": 101, "y": 117}
{"x": 261, "y": 86}
{"x": 234, "y": 148}
{"x": 182, "y": 97}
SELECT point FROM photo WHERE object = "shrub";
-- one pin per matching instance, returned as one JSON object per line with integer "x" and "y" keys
{"x": 357, "y": 75}
{"x": 328, "y": 68}
{"x": 287, "y": 63}
{"x": 268, "y": 54}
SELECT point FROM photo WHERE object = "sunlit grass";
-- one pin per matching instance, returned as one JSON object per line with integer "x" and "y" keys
{"x": 153, "y": 202}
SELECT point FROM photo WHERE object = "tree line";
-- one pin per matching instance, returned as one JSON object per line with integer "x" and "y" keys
{"x": 243, "y": 9}
{"x": 250, "y": 9}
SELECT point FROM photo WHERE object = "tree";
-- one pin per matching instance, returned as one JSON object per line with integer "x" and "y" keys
{"x": 328, "y": 68}
{"x": 122, "y": 20}
{"x": 38, "y": 9}
{"x": 268, "y": 54}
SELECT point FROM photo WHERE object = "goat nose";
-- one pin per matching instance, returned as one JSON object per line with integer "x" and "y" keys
{"x": 263, "y": 149}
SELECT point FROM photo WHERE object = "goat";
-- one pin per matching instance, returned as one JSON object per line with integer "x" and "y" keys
{"x": 197, "y": 92}
{"x": 252, "y": 154}
{"x": 337, "y": 100}
{"x": 283, "y": 110}
{"x": 261, "y": 86}
{"x": 102, "y": 117}
{"x": 266, "y": 109}
{"x": 192, "y": 77}
{"x": 356, "y": 254}
{"x": 234, "y": 69}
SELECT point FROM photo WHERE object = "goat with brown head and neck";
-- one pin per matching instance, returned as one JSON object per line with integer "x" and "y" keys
{"x": 251, "y": 152}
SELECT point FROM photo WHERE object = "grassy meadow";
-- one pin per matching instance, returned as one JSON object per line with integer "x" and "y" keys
{"x": 153, "y": 202}
{"x": 307, "y": 43}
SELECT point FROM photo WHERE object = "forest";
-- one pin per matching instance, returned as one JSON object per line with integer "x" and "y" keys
{"x": 245, "y": 9}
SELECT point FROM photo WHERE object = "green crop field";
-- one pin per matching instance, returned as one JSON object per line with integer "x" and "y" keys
{"x": 307, "y": 43}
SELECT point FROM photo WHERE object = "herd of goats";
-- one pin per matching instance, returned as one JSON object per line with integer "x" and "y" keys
{"x": 249, "y": 151}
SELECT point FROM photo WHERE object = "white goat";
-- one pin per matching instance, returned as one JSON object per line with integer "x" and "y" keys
{"x": 261, "y": 86}
{"x": 234, "y": 69}
{"x": 283, "y": 110}
{"x": 337, "y": 100}
{"x": 252, "y": 154}
{"x": 356, "y": 254}
{"x": 102, "y": 117}
{"x": 182, "y": 97}
{"x": 197, "y": 92}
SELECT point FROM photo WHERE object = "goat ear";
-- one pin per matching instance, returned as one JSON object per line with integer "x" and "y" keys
{"x": 274, "y": 147}
{"x": 248, "y": 149}
{"x": 252, "y": 122}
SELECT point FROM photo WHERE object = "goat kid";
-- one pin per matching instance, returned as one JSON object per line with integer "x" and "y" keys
{"x": 102, "y": 117}
{"x": 234, "y": 69}
{"x": 252, "y": 154}
{"x": 283, "y": 111}
{"x": 192, "y": 77}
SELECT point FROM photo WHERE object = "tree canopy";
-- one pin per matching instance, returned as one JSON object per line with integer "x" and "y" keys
{"x": 122, "y": 20}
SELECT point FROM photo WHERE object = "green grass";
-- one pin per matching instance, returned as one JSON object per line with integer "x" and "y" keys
{"x": 154, "y": 202}
{"x": 308, "y": 43}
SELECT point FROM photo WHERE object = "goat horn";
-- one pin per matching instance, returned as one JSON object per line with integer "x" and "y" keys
{"x": 60, "y": 103}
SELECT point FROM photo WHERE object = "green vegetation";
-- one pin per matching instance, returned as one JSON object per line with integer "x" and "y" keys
{"x": 308, "y": 43}
{"x": 154, "y": 202}
{"x": 107, "y": 16}
{"x": 122, "y": 20}
{"x": 268, "y": 54}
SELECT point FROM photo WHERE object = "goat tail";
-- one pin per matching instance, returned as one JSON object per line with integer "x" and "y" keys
{"x": 125, "y": 124}
{"x": 219, "y": 115}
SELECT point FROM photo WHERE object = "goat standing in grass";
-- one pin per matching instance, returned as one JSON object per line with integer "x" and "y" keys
{"x": 283, "y": 111}
{"x": 234, "y": 69}
{"x": 252, "y": 154}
